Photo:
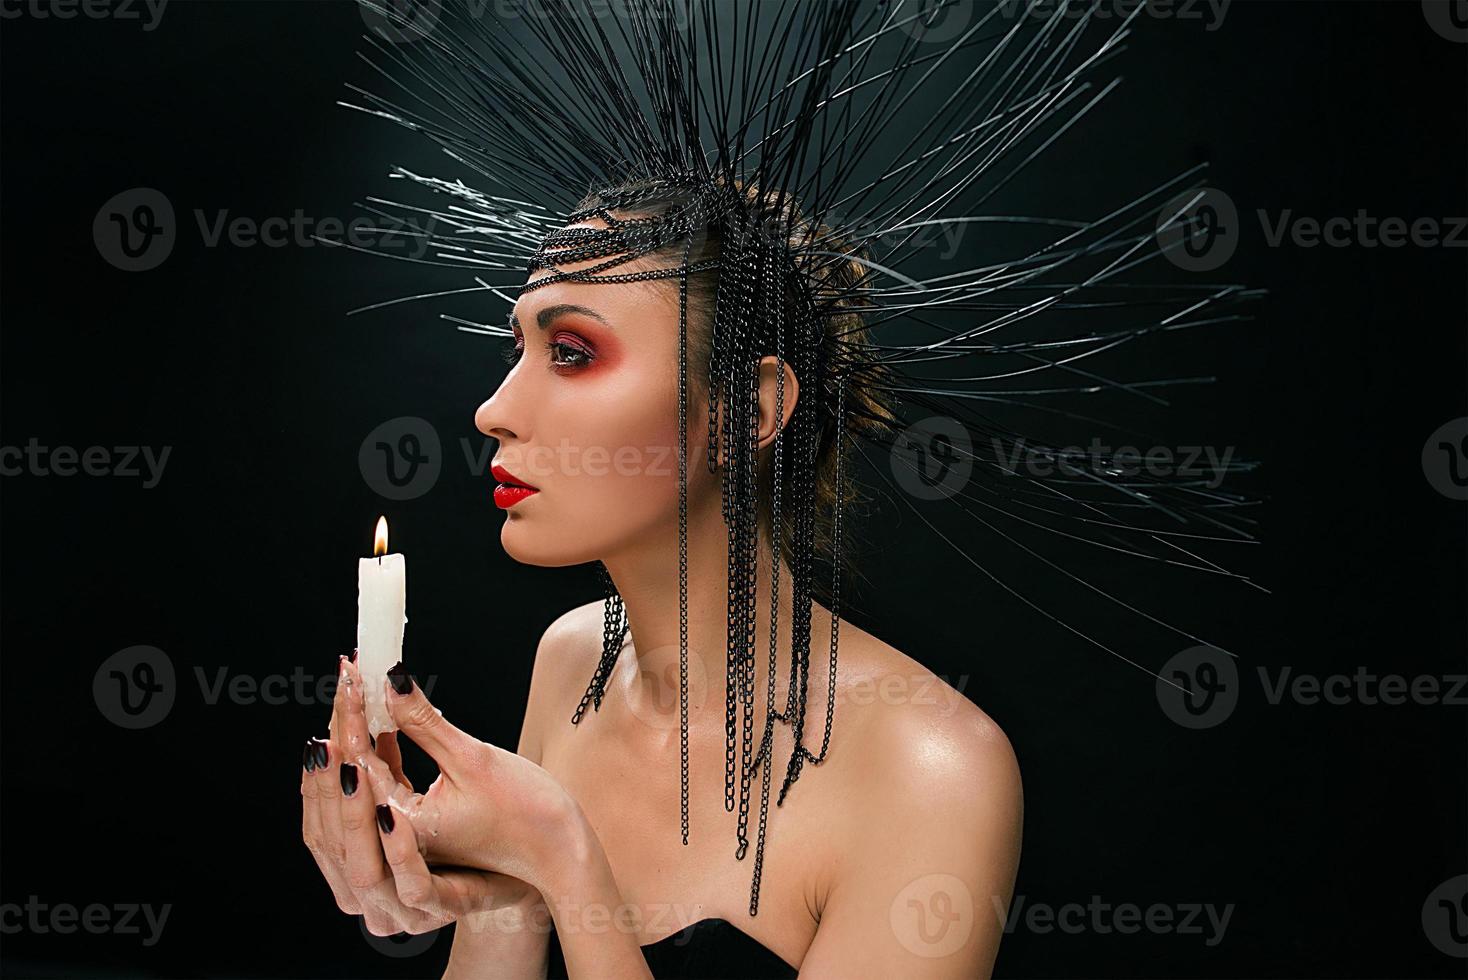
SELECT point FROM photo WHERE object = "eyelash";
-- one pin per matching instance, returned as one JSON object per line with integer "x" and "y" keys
{"x": 580, "y": 358}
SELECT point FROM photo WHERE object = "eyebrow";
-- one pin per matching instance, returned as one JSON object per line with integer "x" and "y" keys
{"x": 544, "y": 318}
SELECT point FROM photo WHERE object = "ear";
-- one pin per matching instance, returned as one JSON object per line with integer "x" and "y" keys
{"x": 769, "y": 395}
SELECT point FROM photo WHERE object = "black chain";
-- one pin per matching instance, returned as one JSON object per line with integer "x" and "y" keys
{"x": 757, "y": 276}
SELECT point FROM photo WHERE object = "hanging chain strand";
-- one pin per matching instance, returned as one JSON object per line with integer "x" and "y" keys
{"x": 756, "y": 278}
{"x": 683, "y": 543}
{"x": 776, "y": 313}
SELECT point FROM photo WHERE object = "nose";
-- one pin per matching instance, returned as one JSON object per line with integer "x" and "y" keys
{"x": 497, "y": 417}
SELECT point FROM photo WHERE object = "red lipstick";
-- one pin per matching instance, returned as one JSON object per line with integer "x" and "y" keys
{"x": 509, "y": 491}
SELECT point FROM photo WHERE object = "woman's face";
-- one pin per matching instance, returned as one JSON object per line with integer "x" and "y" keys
{"x": 589, "y": 415}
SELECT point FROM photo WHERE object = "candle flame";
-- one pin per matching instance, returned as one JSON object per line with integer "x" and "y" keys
{"x": 379, "y": 540}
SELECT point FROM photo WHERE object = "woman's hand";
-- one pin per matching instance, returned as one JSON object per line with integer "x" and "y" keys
{"x": 372, "y": 860}
{"x": 489, "y": 808}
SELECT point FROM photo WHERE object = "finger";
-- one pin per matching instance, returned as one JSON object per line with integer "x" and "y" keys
{"x": 423, "y": 723}
{"x": 389, "y": 751}
{"x": 366, "y": 872}
{"x": 328, "y": 798}
{"x": 392, "y": 802}
{"x": 311, "y": 832}
{"x": 411, "y": 878}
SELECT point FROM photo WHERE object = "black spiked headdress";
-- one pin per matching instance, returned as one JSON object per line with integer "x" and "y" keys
{"x": 799, "y": 154}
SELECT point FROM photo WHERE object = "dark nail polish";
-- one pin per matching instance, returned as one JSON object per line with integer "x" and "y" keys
{"x": 402, "y": 681}
{"x": 308, "y": 756}
{"x": 352, "y": 656}
{"x": 384, "y": 817}
{"x": 320, "y": 754}
{"x": 349, "y": 778}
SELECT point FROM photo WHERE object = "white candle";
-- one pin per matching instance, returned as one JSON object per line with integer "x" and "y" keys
{"x": 381, "y": 606}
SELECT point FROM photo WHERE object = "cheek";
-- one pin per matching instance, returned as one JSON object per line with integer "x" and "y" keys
{"x": 620, "y": 427}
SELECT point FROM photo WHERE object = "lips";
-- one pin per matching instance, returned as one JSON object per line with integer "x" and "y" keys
{"x": 509, "y": 490}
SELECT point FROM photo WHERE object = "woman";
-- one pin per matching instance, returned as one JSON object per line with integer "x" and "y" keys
{"x": 707, "y": 269}
{"x": 892, "y": 863}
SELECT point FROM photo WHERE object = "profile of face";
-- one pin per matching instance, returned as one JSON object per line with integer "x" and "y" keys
{"x": 588, "y": 415}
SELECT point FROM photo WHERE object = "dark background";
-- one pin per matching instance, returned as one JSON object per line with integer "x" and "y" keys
{"x": 1324, "y": 826}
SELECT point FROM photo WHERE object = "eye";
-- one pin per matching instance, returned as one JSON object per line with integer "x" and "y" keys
{"x": 563, "y": 355}
{"x": 568, "y": 355}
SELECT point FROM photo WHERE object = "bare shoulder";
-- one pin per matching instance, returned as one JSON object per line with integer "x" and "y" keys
{"x": 567, "y": 652}
{"x": 935, "y": 791}
{"x": 918, "y": 735}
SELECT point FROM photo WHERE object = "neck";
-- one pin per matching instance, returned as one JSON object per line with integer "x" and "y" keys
{"x": 648, "y": 581}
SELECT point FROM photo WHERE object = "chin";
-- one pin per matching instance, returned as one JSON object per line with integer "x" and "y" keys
{"x": 526, "y": 544}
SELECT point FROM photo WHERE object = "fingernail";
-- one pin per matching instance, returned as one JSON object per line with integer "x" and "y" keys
{"x": 353, "y": 656}
{"x": 308, "y": 756}
{"x": 402, "y": 681}
{"x": 384, "y": 817}
{"x": 349, "y": 779}
{"x": 320, "y": 755}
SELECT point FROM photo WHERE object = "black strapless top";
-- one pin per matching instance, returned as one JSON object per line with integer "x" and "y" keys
{"x": 709, "y": 949}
